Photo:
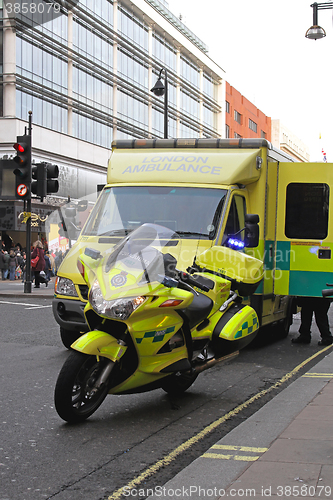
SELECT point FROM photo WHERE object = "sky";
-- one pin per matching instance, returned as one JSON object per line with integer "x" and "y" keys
{"x": 261, "y": 46}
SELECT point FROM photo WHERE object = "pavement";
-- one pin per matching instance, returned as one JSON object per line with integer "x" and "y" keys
{"x": 16, "y": 289}
{"x": 284, "y": 450}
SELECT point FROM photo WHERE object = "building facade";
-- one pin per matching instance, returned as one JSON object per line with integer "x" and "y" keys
{"x": 287, "y": 141}
{"x": 244, "y": 119}
{"x": 85, "y": 70}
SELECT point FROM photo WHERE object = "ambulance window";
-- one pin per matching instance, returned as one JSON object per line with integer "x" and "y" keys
{"x": 307, "y": 207}
{"x": 236, "y": 218}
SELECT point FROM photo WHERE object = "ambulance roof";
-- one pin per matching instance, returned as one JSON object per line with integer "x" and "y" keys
{"x": 202, "y": 161}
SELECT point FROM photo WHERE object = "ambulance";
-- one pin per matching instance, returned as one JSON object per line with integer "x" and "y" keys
{"x": 205, "y": 190}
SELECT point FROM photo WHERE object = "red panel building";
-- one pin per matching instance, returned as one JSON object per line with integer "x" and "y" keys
{"x": 243, "y": 119}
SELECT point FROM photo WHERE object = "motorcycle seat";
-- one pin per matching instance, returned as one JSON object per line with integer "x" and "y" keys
{"x": 198, "y": 310}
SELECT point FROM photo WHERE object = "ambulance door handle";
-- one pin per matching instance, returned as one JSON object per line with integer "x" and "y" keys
{"x": 324, "y": 253}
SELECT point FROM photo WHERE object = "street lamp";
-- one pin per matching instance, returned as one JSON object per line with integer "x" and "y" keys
{"x": 316, "y": 32}
{"x": 160, "y": 89}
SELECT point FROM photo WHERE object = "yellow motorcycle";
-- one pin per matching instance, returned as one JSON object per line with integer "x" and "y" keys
{"x": 153, "y": 325}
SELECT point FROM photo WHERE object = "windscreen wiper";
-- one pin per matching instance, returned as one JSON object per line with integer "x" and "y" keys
{"x": 192, "y": 233}
{"x": 115, "y": 232}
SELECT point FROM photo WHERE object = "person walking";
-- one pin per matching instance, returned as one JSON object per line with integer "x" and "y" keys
{"x": 5, "y": 259}
{"x": 319, "y": 307}
{"x": 48, "y": 269}
{"x": 40, "y": 265}
{"x": 23, "y": 266}
{"x": 12, "y": 265}
{"x": 2, "y": 263}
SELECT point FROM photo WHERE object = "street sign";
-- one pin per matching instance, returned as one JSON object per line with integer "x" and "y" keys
{"x": 22, "y": 190}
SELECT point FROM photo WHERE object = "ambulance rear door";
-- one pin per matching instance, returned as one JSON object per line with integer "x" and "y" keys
{"x": 303, "y": 261}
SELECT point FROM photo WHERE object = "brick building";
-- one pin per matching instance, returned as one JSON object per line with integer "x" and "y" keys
{"x": 243, "y": 119}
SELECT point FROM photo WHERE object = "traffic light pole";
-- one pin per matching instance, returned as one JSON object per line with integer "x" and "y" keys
{"x": 27, "y": 205}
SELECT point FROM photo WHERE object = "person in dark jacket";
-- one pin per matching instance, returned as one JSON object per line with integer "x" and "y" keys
{"x": 23, "y": 265}
{"x": 5, "y": 258}
{"x": 319, "y": 306}
{"x": 48, "y": 269}
{"x": 12, "y": 265}
{"x": 2, "y": 263}
{"x": 38, "y": 251}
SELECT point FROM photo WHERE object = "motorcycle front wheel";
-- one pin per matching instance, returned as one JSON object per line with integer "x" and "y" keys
{"x": 75, "y": 396}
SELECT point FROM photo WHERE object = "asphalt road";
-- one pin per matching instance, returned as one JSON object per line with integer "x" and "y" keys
{"x": 41, "y": 457}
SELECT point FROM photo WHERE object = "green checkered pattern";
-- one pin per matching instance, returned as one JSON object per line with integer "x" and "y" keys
{"x": 156, "y": 335}
{"x": 247, "y": 327}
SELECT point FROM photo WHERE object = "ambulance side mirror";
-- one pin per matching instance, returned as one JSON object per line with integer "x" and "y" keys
{"x": 251, "y": 230}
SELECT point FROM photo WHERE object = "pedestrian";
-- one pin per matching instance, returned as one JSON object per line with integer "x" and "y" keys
{"x": 18, "y": 270}
{"x": 52, "y": 256}
{"x": 12, "y": 265}
{"x": 319, "y": 306}
{"x": 5, "y": 259}
{"x": 2, "y": 263}
{"x": 48, "y": 269}
{"x": 40, "y": 264}
{"x": 23, "y": 265}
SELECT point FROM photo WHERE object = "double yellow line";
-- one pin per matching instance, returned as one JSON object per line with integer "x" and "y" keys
{"x": 195, "y": 439}
{"x": 230, "y": 456}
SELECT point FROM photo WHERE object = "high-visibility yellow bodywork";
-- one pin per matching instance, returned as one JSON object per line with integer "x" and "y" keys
{"x": 250, "y": 170}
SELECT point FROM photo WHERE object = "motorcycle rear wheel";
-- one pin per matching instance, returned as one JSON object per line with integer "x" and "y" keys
{"x": 178, "y": 383}
{"x": 75, "y": 396}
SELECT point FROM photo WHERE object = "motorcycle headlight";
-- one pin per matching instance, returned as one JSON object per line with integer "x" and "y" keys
{"x": 114, "y": 309}
{"x": 65, "y": 286}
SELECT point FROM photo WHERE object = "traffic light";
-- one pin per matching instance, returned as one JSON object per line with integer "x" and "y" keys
{"x": 38, "y": 186}
{"x": 52, "y": 174}
{"x": 45, "y": 179}
{"x": 23, "y": 169}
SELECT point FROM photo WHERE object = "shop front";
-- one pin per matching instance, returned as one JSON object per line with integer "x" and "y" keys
{"x": 13, "y": 219}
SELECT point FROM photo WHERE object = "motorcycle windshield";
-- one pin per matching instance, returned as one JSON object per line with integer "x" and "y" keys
{"x": 141, "y": 260}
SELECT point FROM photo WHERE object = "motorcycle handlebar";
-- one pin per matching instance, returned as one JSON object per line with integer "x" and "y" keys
{"x": 327, "y": 292}
{"x": 193, "y": 282}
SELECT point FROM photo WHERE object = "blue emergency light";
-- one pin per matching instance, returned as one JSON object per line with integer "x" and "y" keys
{"x": 236, "y": 244}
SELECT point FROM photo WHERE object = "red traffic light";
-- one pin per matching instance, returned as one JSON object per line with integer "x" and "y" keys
{"x": 23, "y": 170}
{"x": 23, "y": 148}
{"x": 19, "y": 148}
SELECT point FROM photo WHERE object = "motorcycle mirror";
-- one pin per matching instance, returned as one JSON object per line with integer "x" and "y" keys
{"x": 93, "y": 254}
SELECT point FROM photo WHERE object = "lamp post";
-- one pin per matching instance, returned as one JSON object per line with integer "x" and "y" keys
{"x": 160, "y": 89}
{"x": 316, "y": 32}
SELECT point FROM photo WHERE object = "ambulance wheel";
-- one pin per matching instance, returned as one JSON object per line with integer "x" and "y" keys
{"x": 178, "y": 383}
{"x": 282, "y": 327}
{"x": 68, "y": 337}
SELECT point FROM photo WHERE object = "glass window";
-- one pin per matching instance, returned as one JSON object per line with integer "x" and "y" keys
{"x": 307, "y": 206}
{"x": 252, "y": 125}
{"x": 189, "y": 72}
{"x": 238, "y": 117}
{"x": 227, "y": 131}
{"x": 129, "y": 207}
{"x": 209, "y": 86}
{"x": 236, "y": 218}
